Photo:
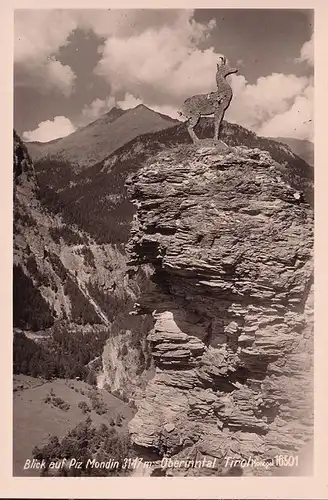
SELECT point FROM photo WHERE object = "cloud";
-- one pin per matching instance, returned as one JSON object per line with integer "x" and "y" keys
{"x": 162, "y": 64}
{"x": 276, "y": 105}
{"x": 38, "y": 36}
{"x": 167, "y": 110}
{"x": 48, "y": 130}
{"x": 125, "y": 23}
{"x": 254, "y": 105}
{"x": 129, "y": 101}
{"x": 297, "y": 121}
{"x": 60, "y": 76}
{"x": 307, "y": 52}
{"x": 46, "y": 76}
{"x": 98, "y": 107}
{"x": 39, "y": 33}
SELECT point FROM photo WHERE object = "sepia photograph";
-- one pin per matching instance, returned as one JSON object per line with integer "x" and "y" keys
{"x": 163, "y": 241}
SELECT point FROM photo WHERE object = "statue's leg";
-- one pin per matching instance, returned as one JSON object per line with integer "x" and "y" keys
{"x": 192, "y": 122}
{"x": 218, "y": 117}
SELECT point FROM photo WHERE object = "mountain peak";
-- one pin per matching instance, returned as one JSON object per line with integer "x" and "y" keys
{"x": 94, "y": 142}
{"x": 142, "y": 107}
{"x": 115, "y": 112}
{"x": 146, "y": 110}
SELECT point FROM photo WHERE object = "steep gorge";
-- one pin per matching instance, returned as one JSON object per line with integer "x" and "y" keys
{"x": 65, "y": 285}
{"x": 43, "y": 256}
{"x": 230, "y": 243}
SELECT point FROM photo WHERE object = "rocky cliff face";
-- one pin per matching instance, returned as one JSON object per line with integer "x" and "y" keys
{"x": 230, "y": 243}
{"x": 60, "y": 272}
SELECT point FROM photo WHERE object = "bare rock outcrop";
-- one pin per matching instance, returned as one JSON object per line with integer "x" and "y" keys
{"x": 231, "y": 246}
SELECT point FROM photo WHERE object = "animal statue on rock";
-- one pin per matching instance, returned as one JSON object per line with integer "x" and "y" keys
{"x": 208, "y": 104}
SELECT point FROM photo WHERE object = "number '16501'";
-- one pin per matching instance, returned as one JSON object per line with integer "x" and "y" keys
{"x": 286, "y": 460}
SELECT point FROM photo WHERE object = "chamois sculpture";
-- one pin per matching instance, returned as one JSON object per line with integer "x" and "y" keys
{"x": 208, "y": 104}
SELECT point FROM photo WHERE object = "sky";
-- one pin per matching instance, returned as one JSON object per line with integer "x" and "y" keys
{"x": 71, "y": 66}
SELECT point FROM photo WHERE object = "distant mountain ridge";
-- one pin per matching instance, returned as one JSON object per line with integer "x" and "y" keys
{"x": 95, "y": 141}
{"x": 301, "y": 147}
{"x": 95, "y": 199}
{"x": 89, "y": 138}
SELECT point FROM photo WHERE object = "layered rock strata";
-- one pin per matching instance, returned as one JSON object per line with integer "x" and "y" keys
{"x": 231, "y": 246}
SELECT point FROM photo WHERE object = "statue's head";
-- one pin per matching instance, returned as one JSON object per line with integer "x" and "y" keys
{"x": 222, "y": 61}
{"x": 223, "y": 68}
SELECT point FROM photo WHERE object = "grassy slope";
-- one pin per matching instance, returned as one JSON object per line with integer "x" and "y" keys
{"x": 34, "y": 420}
